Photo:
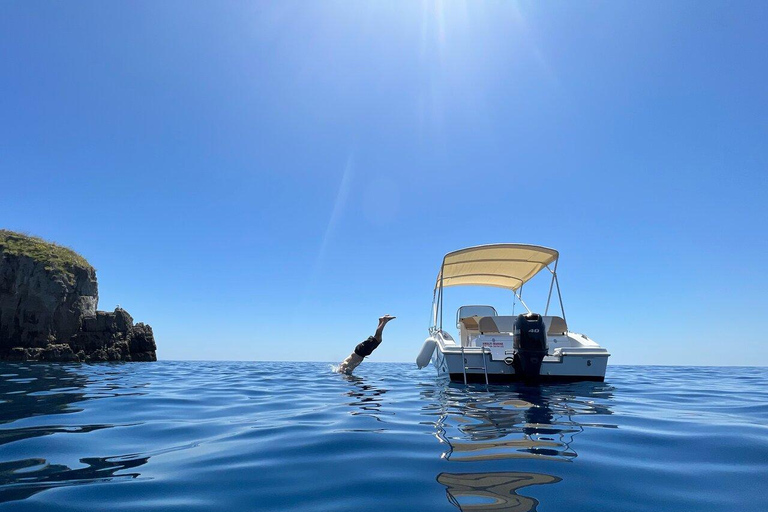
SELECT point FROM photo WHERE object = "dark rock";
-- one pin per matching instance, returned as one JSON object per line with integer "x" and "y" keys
{"x": 18, "y": 354}
{"x": 48, "y": 299}
{"x": 105, "y": 322}
{"x": 90, "y": 324}
{"x": 143, "y": 356}
{"x": 24, "y": 354}
{"x": 123, "y": 321}
{"x": 142, "y": 339}
{"x": 87, "y": 341}
{"x": 113, "y": 337}
{"x": 39, "y": 302}
{"x": 122, "y": 349}
{"x": 58, "y": 352}
{"x": 97, "y": 355}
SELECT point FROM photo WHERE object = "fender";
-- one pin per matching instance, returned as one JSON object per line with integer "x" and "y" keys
{"x": 425, "y": 355}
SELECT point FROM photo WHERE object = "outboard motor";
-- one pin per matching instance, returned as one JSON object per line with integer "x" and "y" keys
{"x": 530, "y": 343}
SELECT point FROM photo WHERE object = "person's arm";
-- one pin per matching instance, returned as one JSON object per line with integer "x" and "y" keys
{"x": 350, "y": 363}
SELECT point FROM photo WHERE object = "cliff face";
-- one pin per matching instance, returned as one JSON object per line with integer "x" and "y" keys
{"x": 48, "y": 299}
{"x": 39, "y": 305}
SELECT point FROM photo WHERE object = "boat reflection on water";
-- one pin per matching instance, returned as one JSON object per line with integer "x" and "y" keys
{"x": 492, "y": 491}
{"x": 479, "y": 424}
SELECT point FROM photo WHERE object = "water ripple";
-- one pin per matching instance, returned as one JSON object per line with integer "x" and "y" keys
{"x": 297, "y": 436}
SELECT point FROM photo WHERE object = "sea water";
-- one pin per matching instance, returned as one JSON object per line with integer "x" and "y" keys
{"x": 296, "y": 436}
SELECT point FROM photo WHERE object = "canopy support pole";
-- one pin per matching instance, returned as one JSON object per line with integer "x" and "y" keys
{"x": 522, "y": 301}
{"x": 514, "y": 302}
{"x": 433, "y": 312}
{"x": 560, "y": 297}
{"x": 442, "y": 269}
{"x": 551, "y": 284}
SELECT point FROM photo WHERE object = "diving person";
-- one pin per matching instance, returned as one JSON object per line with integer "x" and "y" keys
{"x": 365, "y": 348}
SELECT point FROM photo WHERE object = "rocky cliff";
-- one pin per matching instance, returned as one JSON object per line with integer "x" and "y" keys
{"x": 48, "y": 300}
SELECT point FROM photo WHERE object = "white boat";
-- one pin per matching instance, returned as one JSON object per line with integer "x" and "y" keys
{"x": 493, "y": 348}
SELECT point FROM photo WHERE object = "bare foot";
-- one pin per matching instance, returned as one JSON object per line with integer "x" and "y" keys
{"x": 386, "y": 318}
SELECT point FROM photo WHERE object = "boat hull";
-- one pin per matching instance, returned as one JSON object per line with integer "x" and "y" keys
{"x": 477, "y": 378}
{"x": 471, "y": 365}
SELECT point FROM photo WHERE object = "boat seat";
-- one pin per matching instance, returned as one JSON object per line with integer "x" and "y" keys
{"x": 556, "y": 325}
{"x": 487, "y": 324}
{"x": 467, "y": 329}
{"x": 493, "y": 324}
{"x": 499, "y": 324}
{"x": 470, "y": 322}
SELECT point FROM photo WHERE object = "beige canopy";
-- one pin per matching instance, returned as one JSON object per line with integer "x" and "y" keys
{"x": 501, "y": 265}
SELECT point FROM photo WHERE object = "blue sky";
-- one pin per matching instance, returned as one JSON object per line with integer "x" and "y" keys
{"x": 262, "y": 180}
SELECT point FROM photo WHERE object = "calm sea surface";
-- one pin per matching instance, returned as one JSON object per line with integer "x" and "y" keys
{"x": 296, "y": 436}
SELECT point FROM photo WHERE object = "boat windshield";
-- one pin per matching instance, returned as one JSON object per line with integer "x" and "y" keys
{"x": 468, "y": 311}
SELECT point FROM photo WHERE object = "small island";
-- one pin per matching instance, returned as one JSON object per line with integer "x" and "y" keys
{"x": 48, "y": 301}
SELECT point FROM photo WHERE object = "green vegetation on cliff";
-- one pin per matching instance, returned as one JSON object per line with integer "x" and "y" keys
{"x": 55, "y": 257}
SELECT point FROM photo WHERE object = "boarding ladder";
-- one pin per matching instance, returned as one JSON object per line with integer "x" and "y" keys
{"x": 464, "y": 365}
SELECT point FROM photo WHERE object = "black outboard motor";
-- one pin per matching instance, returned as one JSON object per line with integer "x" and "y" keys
{"x": 530, "y": 343}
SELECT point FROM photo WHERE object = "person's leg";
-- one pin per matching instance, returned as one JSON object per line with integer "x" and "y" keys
{"x": 382, "y": 323}
{"x": 365, "y": 348}
{"x": 368, "y": 346}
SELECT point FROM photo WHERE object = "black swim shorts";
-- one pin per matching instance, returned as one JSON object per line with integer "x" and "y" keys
{"x": 366, "y": 347}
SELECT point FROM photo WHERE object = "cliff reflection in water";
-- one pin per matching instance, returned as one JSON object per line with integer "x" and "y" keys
{"x": 28, "y": 390}
{"x": 39, "y": 389}
{"x": 23, "y": 478}
{"x": 476, "y": 424}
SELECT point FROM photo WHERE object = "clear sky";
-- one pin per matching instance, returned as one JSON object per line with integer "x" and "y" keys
{"x": 262, "y": 180}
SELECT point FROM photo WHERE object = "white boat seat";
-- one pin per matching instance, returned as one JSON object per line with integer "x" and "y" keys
{"x": 557, "y": 325}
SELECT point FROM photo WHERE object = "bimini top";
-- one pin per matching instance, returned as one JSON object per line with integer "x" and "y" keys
{"x": 501, "y": 265}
